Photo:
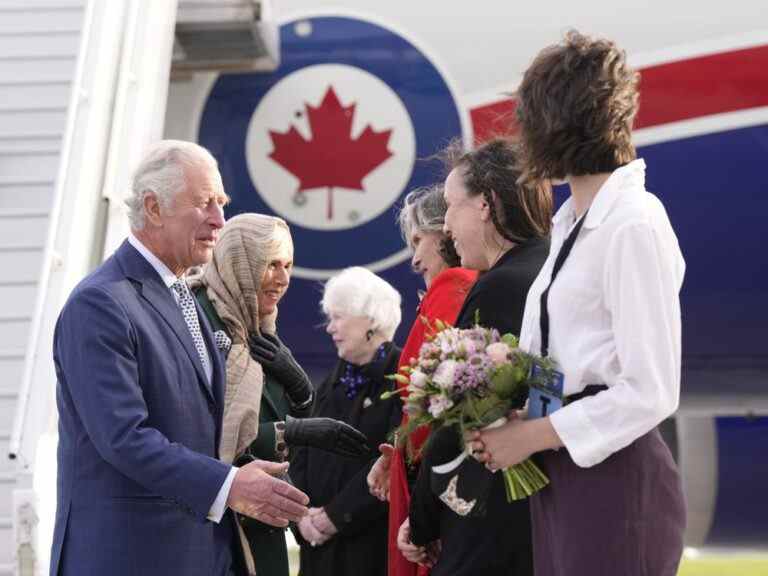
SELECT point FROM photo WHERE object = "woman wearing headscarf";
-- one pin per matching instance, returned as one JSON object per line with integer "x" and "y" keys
{"x": 421, "y": 222}
{"x": 345, "y": 533}
{"x": 606, "y": 309}
{"x": 268, "y": 395}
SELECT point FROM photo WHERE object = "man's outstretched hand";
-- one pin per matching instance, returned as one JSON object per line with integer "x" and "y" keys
{"x": 256, "y": 492}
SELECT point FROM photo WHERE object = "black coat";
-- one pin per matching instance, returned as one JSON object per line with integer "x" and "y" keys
{"x": 339, "y": 484}
{"x": 499, "y": 540}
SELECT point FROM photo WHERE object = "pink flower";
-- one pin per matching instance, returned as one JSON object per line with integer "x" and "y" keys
{"x": 443, "y": 376}
{"x": 438, "y": 405}
{"x": 498, "y": 352}
{"x": 469, "y": 346}
{"x": 427, "y": 365}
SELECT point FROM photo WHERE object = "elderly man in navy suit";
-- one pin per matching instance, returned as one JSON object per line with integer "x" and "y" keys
{"x": 140, "y": 395}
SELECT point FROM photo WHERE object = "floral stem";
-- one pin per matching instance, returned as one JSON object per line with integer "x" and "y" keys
{"x": 523, "y": 480}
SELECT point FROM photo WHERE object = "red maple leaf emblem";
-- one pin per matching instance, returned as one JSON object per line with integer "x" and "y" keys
{"x": 331, "y": 158}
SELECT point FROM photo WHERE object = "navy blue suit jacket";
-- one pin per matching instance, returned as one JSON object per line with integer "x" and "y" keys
{"x": 139, "y": 428}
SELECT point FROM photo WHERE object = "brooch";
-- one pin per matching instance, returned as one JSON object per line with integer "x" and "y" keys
{"x": 452, "y": 500}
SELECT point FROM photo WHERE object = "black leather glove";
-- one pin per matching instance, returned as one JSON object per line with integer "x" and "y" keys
{"x": 327, "y": 434}
{"x": 276, "y": 358}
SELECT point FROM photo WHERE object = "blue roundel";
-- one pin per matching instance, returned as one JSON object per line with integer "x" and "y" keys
{"x": 336, "y": 147}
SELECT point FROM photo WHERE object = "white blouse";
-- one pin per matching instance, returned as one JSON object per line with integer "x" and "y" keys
{"x": 614, "y": 313}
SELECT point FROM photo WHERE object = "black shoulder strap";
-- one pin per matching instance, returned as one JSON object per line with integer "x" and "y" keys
{"x": 565, "y": 250}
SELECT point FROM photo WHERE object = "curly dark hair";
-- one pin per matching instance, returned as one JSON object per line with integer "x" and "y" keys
{"x": 448, "y": 252}
{"x": 575, "y": 108}
{"x": 519, "y": 211}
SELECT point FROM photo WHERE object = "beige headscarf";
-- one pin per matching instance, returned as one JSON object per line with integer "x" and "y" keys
{"x": 232, "y": 280}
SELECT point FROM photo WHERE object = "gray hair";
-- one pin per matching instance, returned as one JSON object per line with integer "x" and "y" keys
{"x": 162, "y": 172}
{"x": 423, "y": 211}
{"x": 357, "y": 291}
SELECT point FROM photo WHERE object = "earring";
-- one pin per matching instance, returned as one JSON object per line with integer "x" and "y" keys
{"x": 369, "y": 335}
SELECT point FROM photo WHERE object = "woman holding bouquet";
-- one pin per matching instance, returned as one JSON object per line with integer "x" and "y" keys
{"x": 421, "y": 222}
{"x": 606, "y": 309}
{"x": 500, "y": 229}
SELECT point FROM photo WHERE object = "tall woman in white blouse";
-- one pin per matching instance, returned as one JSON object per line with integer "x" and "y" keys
{"x": 611, "y": 322}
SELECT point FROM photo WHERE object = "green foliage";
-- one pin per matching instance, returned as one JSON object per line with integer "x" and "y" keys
{"x": 510, "y": 340}
{"x": 509, "y": 381}
{"x": 479, "y": 412}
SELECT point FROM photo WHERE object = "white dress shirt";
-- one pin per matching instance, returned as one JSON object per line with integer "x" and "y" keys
{"x": 614, "y": 314}
{"x": 219, "y": 505}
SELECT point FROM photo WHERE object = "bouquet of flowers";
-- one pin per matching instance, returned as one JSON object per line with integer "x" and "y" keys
{"x": 471, "y": 377}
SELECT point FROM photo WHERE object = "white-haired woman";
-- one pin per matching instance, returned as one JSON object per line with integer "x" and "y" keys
{"x": 346, "y": 530}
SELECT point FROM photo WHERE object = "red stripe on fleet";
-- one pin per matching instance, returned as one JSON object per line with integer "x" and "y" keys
{"x": 670, "y": 92}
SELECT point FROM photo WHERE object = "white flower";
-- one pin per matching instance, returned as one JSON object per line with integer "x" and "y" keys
{"x": 418, "y": 379}
{"x": 443, "y": 376}
{"x": 498, "y": 352}
{"x": 438, "y": 405}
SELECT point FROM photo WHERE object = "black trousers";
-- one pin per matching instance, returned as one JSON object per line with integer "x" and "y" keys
{"x": 624, "y": 516}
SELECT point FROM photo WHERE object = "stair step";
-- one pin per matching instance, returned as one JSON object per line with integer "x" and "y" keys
{"x": 6, "y": 546}
{"x": 22, "y": 213}
{"x": 11, "y": 353}
{"x": 7, "y": 484}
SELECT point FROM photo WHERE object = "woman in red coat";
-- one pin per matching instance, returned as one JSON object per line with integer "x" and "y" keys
{"x": 421, "y": 223}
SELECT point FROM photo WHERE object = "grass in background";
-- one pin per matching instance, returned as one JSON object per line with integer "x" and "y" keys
{"x": 725, "y": 565}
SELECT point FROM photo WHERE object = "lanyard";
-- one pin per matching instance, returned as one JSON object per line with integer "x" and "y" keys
{"x": 565, "y": 250}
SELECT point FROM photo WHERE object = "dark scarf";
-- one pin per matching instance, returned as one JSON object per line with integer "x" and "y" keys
{"x": 355, "y": 378}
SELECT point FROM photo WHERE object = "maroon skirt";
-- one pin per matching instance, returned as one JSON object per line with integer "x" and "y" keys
{"x": 624, "y": 516}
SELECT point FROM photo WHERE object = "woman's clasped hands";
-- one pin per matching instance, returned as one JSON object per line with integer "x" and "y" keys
{"x": 316, "y": 528}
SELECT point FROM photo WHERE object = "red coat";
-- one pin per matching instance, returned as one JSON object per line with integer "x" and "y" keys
{"x": 443, "y": 300}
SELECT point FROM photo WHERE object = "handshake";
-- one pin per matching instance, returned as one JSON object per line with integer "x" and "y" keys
{"x": 258, "y": 492}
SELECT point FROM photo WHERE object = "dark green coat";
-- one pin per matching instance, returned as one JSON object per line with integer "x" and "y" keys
{"x": 267, "y": 544}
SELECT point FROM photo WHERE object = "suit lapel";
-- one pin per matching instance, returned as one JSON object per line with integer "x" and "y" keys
{"x": 209, "y": 323}
{"x": 160, "y": 298}
{"x": 219, "y": 368}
